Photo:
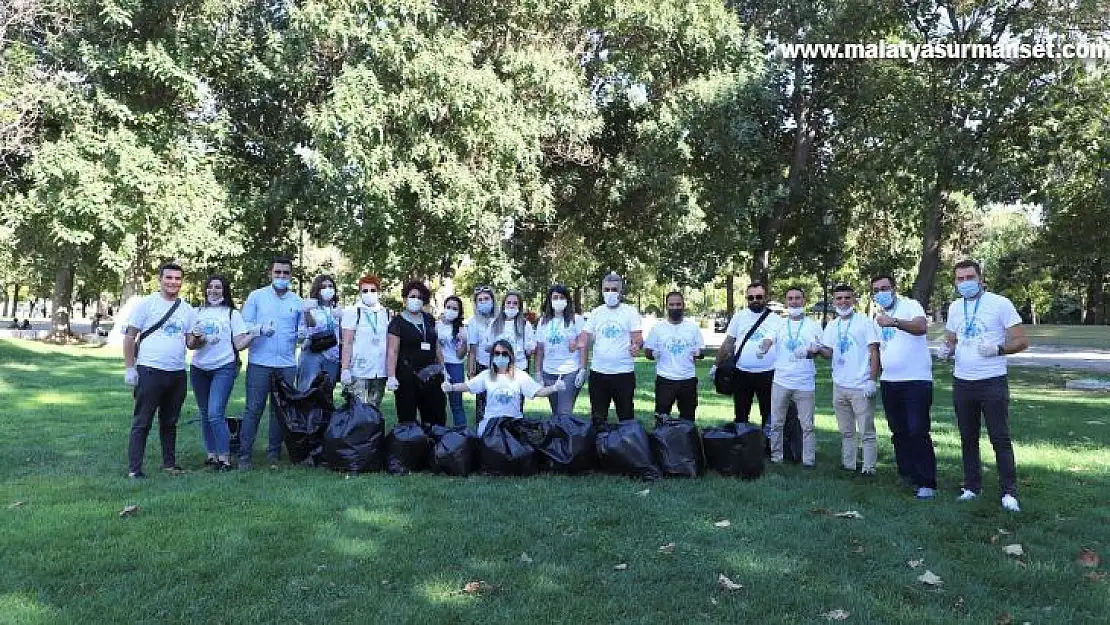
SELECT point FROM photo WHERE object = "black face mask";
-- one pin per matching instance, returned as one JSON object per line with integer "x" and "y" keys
{"x": 675, "y": 313}
{"x": 756, "y": 307}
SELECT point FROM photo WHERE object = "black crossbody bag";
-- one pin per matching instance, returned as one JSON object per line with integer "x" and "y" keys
{"x": 724, "y": 380}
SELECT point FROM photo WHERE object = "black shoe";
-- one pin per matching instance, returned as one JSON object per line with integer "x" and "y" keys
{"x": 211, "y": 462}
{"x": 136, "y": 475}
{"x": 809, "y": 467}
{"x": 223, "y": 467}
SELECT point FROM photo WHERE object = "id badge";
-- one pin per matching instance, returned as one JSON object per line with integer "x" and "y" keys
{"x": 426, "y": 346}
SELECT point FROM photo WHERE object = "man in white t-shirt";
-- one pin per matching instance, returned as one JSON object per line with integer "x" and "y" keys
{"x": 154, "y": 352}
{"x": 982, "y": 328}
{"x": 674, "y": 345}
{"x": 755, "y": 358}
{"x": 614, "y": 329}
{"x": 364, "y": 344}
{"x": 852, "y": 342}
{"x": 798, "y": 340}
{"x": 906, "y": 384}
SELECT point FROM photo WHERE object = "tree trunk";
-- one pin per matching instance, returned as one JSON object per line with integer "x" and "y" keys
{"x": 63, "y": 297}
{"x": 932, "y": 235}
{"x": 15, "y": 299}
{"x": 1092, "y": 313}
{"x": 730, "y": 294}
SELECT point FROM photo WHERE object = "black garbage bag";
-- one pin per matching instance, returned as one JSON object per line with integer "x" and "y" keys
{"x": 234, "y": 427}
{"x": 407, "y": 449}
{"x": 503, "y": 448}
{"x": 735, "y": 449}
{"x": 566, "y": 445}
{"x": 354, "y": 440}
{"x": 454, "y": 450}
{"x": 792, "y": 436}
{"x": 676, "y": 448}
{"x": 303, "y": 416}
{"x": 624, "y": 448}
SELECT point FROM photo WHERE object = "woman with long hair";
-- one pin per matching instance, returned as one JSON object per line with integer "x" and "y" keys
{"x": 557, "y": 353}
{"x": 477, "y": 327}
{"x": 505, "y": 385}
{"x": 510, "y": 325}
{"x": 320, "y": 329}
{"x": 217, "y": 337}
{"x": 452, "y": 342}
{"x": 412, "y": 358}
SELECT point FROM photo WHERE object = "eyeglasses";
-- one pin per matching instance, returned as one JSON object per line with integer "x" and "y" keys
{"x": 755, "y": 298}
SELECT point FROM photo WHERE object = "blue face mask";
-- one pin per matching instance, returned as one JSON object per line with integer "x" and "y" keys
{"x": 281, "y": 283}
{"x": 501, "y": 361}
{"x": 968, "y": 288}
{"x": 884, "y": 299}
{"x": 485, "y": 307}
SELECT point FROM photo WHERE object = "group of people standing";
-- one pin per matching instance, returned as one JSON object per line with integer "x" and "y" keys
{"x": 429, "y": 363}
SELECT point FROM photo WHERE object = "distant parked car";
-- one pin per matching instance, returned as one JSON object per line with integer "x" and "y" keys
{"x": 720, "y": 322}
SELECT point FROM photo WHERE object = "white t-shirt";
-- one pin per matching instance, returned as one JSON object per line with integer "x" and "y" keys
{"x": 164, "y": 349}
{"x": 988, "y": 324}
{"x": 369, "y": 346}
{"x": 904, "y": 357}
{"x": 556, "y": 336}
{"x": 849, "y": 339}
{"x": 738, "y": 328}
{"x": 611, "y": 329}
{"x": 673, "y": 346}
{"x": 445, "y": 336}
{"x": 503, "y": 394}
{"x": 217, "y": 322}
{"x": 796, "y": 374}
{"x": 476, "y": 329}
{"x": 522, "y": 345}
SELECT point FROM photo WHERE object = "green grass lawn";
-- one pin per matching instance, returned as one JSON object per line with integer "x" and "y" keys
{"x": 296, "y": 545}
{"x": 1097, "y": 337}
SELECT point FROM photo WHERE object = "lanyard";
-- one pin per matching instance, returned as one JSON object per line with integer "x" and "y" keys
{"x": 423, "y": 329}
{"x": 969, "y": 322}
{"x": 791, "y": 338}
{"x": 842, "y": 337}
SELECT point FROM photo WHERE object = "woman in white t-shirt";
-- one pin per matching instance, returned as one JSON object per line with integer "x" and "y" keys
{"x": 451, "y": 336}
{"x": 320, "y": 332}
{"x": 218, "y": 335}
{"x": 557, "y": 353}
{"x": 505, "y": 386}
{"x": 510, "y": 325}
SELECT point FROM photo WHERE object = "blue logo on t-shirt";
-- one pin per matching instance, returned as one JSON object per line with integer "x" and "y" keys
{"x": 173, "y": 327}
{"x": 209, "y": 327}
{"x": 611, "y": 330}
{"x": 888, "y": 333}
{"x": 504, "y": 397}
{"x": 676, "y": 347}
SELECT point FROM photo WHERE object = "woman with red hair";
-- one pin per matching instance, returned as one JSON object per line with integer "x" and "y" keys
{"x": 364, "y": 344}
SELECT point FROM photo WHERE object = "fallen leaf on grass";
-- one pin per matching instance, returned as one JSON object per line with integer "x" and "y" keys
{"x": 129, "y": 511}
{"x": 525, "y": 558}
{"x": 1095, "y": 576}
{"x": 1013, "y": 550}
{"x": 820, "y": 511}
{"x": 930, "y": 578}
{"x": 727, "y": 583}
{"x": 835, "y": 615}
{"x": 1004, "y": 619}
{"x": 713, "y": 600}
{"x": 722, "y": 523}
{"x": 916, "y": 563}
{"x": 1087, "y": 558}
{"x": 667, "y": 548}
{"x": 850, "y": 514}
{"x": 1004, "y": 532}
{"x": 17, "y": 504}
{"x": 479, "y": 587}
{"x": 621, "y": 567}
{"x": 644, "y": 493}
{"x": 857, "y": 549}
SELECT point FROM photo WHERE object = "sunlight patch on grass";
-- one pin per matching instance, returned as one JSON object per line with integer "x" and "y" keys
{"x": 384, "y": 519}
{"x": 357, "y": 547}
{"x": 20, "y": 609}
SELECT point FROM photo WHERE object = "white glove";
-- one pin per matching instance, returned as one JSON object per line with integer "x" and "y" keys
{"x": 392, "y": 384}
{"x": 801, "y": 352}
{"x": 559, "y": 385}
{"x": 944, "y": 351}
{"x": 268, "y": 329}
{"x": 869, "y": 389}
{"x": 131, "y": 376}
{"x": 446, "y": 386}
{"x": 988, "y": 350}
{"x": 198, "y": 330}
{"x": 346, "y": 378}
{"x": 580, "y": 378}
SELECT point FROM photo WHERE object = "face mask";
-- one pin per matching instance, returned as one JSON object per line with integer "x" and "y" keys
{"x": 511, "y": 313}
{"x": 612, "y": 299}
{"x": 414, "y": 304}
{"x": 370, "y": 299}
{"x": 675, "y": 313}
{"x": 884, "y": 299}
{"x": 327, "y": 294}
{"x": 795, "y": 312}
{"x": 968, "y": 288}
{"x": 215, "y": 300}
{"x": 558, "y": 305}
{"x": 844, "y": 312}
{"x": 756, "y": 307}
{"x": 501, "y": 361}
{"x": 450, "y": 314}
{"x": 485, "y": 308}
{"x": 281, "y": 284}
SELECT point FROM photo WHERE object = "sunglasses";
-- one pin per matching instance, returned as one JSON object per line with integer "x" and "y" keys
{"x": 502, "y": 354}
{"x": 754, "y": 298}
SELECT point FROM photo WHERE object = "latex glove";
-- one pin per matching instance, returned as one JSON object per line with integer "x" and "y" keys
{"x": 212, "y": 340}
{"x": 268, "y": 329}
{"x": 869, "y": 389}
{"x": 801, "y": 352}
{"x": 559, "y": 385}
{"x": 392, "y": 384}
{"x": 446, "y": 386}
{"x": 131, "y": 376}
{"x": 580, "y": 378}
{"x": 346, "y": 378}
{"x": 944, "y": 352}
{"x": 988, "y": 350}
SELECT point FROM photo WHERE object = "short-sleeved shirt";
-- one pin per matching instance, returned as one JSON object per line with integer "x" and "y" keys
{"x": 476, "y": 329}
{"x": 264, "y": 306}
{"x": 611, "y": 329}
{"x": 850, "y": 340}
{"x": 673, "y": 347}
{"x": 522, "y": 341}
{"x": 905, "y": 357}
{"x": 414, "y": 337}
{"x": 738, "y": 328}
{"x": 163, "y": 349}
{"x": 556, "y": 335}
{"x": 449, "y": 341}
{"x": 368, "y": 350}
{"x": 987, "y": 319}
{"x": 503, "y": 394}
{"x": 796, "y": 374}
{"x": 327, "y": 320}
{"x": 223, "y": 324}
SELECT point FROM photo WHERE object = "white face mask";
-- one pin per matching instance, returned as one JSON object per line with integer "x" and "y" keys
{"x": 450, "y": 314}
{"x": 844, "y": 312}
{"x": 511, "y": 313}
{"x": 327, "y": 294}
{"x": 370, "y": 299}
{"x": 558, "y": 305}
{"x": 215, "y": 300}
{"x": 414, "y": 304}
{"x": 612, "y": 299}
{"x": 795, "y": 312}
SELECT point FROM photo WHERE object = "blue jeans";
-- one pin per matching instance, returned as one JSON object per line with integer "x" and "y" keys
{"x": 310, "y": 364}
{"x": 907, "y": 406}
{"x": 562, "y": 402}
{"x": 457, "y": 372}
{"x": 212, "y": 390}
{"x": 258, "y": 391}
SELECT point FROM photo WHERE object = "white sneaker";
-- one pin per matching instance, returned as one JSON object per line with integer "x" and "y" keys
{"x": 966, "y": 495}
{"x": 926, "y": 493}
{"x": 1009, "y": 503}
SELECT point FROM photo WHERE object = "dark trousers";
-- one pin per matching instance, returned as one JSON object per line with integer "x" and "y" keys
{"x": 907, "y": 406}
{"x": 618, "y": 388}
{"x": 426, "y": 399}
{"x": 480, "y": 398}
{"x": 749, "y": 385}
{"x": 684, "y": 392}
{"x": 162, "y": 391}
{"x": 985, "y": 400}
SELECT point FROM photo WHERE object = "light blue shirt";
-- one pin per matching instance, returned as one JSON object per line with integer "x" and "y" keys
{"x": 262, "y": 306}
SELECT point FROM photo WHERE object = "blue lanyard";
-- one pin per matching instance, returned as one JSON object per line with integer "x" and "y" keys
{"x": 842, "y": 337}
{"x": 969, "y": 322}
{"x": 792, "y": 338}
